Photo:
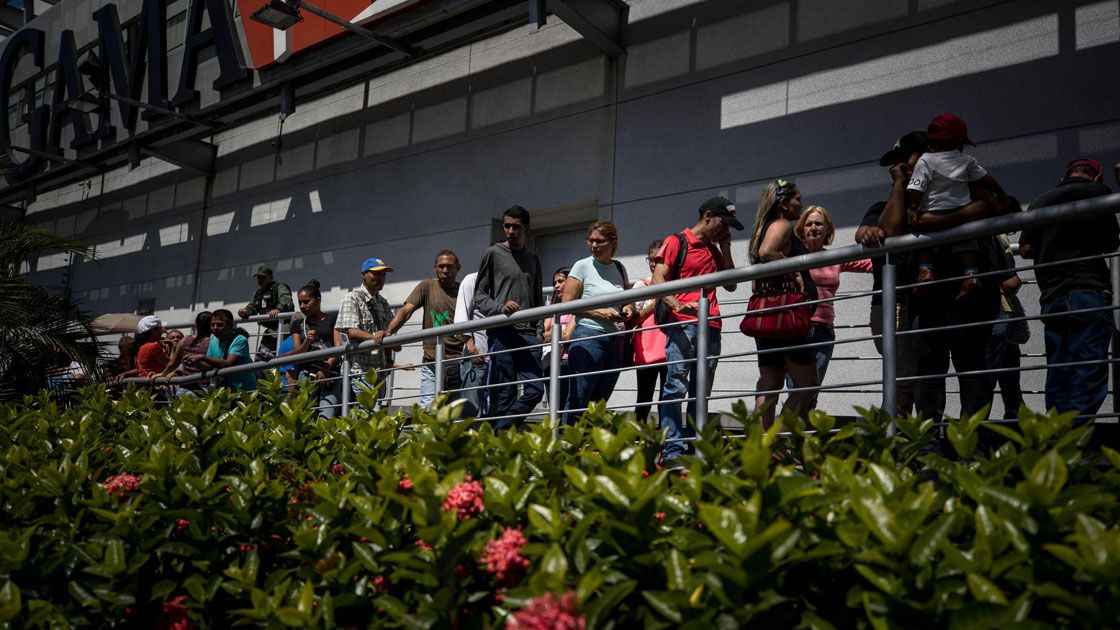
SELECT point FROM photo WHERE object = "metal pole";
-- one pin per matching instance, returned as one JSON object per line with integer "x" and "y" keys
{"x": 358, "y": 30}
{"x": 439, "y": 366}
{"x": 345, "y": 385}
{"x": 280, "y": 332}
{"x": 890, "y": 365}
{"x": 554, "y": 375}
{"x": 700, "y": 375}
{"x": 1114, "y": 264}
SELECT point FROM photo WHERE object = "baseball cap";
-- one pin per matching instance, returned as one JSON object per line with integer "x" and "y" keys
{"x": 911, "y": 142}
{"x": 375, "y": 264}
{"x": 724, "y": 209}
{"x": 263, "y": 270}
{"x": 1087, "y": 164}
{"x": 947, "y": 127}
{"x": 147, "y": 323}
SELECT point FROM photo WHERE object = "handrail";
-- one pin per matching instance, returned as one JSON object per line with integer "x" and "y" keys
{"x": 910, "y": 242}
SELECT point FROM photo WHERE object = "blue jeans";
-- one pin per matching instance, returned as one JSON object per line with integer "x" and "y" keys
{"x": 680, "y": 344}
{"x": 473, "y": 376}
{"x": 510, "y": 368}
{"x": 330, "y": 398}
{"x": 1078, "y": 337}
{"x": 586, "y": 356}
{"x": 819, "y": 333}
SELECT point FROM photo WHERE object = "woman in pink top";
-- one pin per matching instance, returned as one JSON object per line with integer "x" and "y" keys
{"x": 649, "y": 346}
{"x": 816, "y": 229}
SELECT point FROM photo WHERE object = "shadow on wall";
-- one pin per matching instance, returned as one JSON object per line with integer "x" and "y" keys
{"x": 414, "y": 161}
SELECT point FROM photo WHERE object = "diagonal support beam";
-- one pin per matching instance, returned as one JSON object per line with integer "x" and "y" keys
{"x": 193, "y": 155}
{"x": 600, "y": 21}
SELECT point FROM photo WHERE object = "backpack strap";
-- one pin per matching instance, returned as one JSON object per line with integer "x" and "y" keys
{"x": 622, "y": 273}
{"x": 682, "y": 253}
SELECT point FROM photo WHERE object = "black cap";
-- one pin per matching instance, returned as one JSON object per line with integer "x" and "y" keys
{"x": 911, "y": 142}
{"x": 724, "y": 209}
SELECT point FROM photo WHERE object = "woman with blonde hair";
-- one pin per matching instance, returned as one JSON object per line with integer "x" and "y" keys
{"x": 773, "y": 238}
{"x": 816, "y": 229}
{"x": 589, "y": 353}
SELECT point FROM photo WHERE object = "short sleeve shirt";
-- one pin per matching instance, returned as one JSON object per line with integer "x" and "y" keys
{"x": 365, "y": 311}
{"x": 239, "y": 346}
{"x": 598, "y": 279}
{"x": 700, "y": 259}
{"x": 150, "y": 359}
{"x": 324, "y": 338}
{"x": 438, "y": 306}
{"x": 943, "y": 177}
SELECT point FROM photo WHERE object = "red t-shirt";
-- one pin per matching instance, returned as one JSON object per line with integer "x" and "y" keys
{"x": 699, "y": 260}
{"x": 151, "y": 358}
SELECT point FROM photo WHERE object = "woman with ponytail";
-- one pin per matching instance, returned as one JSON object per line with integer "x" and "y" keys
{"x": 773, "y": 238}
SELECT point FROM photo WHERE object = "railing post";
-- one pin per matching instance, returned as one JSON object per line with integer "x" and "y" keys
{"x": 345, "y": 386}
{"x": 890, "y": 365}
{"x": 279, "y": 332}
{"x": 1114, "y": 265}
{"x": 554, "y": 375}
{"x": 701, "y": 370}
{"x": 439, "y": 366}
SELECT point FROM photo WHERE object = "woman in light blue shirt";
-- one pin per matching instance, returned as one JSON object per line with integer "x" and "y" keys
{"x": 589, "y": 352}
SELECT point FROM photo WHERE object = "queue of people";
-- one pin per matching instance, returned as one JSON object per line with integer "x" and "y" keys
{"x": 501, "y": 372}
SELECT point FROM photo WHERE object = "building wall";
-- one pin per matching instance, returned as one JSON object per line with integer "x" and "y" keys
{"x": 712, "y": 97}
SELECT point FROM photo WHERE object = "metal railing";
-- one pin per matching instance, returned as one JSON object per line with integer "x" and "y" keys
{"x": 551, "y": 315}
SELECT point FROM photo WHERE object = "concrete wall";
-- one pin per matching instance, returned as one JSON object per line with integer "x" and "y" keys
{"x": 713, "y": 97}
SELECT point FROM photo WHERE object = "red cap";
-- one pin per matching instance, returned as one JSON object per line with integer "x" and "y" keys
{"x": 947, "y": 127}
{"x": 1087, "y": 163}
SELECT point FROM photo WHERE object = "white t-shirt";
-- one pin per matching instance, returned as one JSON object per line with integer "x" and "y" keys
{"x": 465, "y": 310}
{"x": 944, "y": 177}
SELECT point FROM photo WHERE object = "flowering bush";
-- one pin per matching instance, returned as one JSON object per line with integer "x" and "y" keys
{"x": 253, "y": 512}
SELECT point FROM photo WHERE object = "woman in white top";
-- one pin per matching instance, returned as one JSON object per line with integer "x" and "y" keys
{"x": 590, "y": 353}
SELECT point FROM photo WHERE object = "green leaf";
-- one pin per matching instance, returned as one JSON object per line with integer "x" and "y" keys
{"x": 931, "y": 537}
{"x": 725, "y": 525}
{"x": 677, "y": 571}
{"x": 663, "y": 607}
{"x": 983, "y": 590}
{"x": 555, "y": 563}
{"x": 9, "y": 601}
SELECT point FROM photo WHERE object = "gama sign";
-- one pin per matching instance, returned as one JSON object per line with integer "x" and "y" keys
{"x": 143, "y": 63}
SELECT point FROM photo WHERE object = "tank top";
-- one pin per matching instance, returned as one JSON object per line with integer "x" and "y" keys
{"x": 796, "y": 248}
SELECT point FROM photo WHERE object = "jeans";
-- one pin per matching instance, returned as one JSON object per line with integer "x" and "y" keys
{"x": 565, "y": 386}
{"x": 1000, "y": 354}
{"x": 680, "y": 344}
{"x": 1073, "y": 338}
{"x": 451, "y": 380}
{"x": 586, "y": 356}
{"x": 965, "y": 346}
{"x": 509, "y": 368}
{"x": 473, "y": 376}
{"x": 819, "y": 333}
{"x": 330, "y": 398}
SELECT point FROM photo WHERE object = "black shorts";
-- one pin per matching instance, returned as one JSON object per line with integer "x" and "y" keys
{"x": 801, "y": 356}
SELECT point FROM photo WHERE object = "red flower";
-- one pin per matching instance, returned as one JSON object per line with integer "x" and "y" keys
{"x": 121, "y": 485}
{"x": 466, "y": 498}
{"x": 381, "y": 583}
{"x": 339, "y": 470}
{"x": 182, "y": 524}
{"x": 645, "y": 474}
{"x": 549, "y": 612}
{"x": 659, "y": 516}
{"x": 405, "y": 484}
{"x": 174, "y": 615}
{"x": 502, "y": 555}
{"x": 423, "y": 545}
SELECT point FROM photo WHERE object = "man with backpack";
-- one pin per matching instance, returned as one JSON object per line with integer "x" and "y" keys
{"x": 702, "y": 249}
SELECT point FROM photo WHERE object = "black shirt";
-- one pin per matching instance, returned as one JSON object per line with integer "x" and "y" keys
{"x": 796, "y": 248}
{"x": 324, "y": 338}
{"x": 1072, "y": 239}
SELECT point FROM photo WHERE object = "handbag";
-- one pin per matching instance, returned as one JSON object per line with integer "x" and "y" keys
{"x": 791, "y": 321}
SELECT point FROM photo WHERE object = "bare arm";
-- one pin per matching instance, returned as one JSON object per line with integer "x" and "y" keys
{"x": 175, "y": 360}
{"x": 893, "y": 219}
{"x": 401, "y": 316}
{"x": 776, "y": 242}
{"x": 661, "y": 274}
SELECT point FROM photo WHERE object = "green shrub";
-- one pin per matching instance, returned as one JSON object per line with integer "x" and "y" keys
{"x": 251, "y": 512}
